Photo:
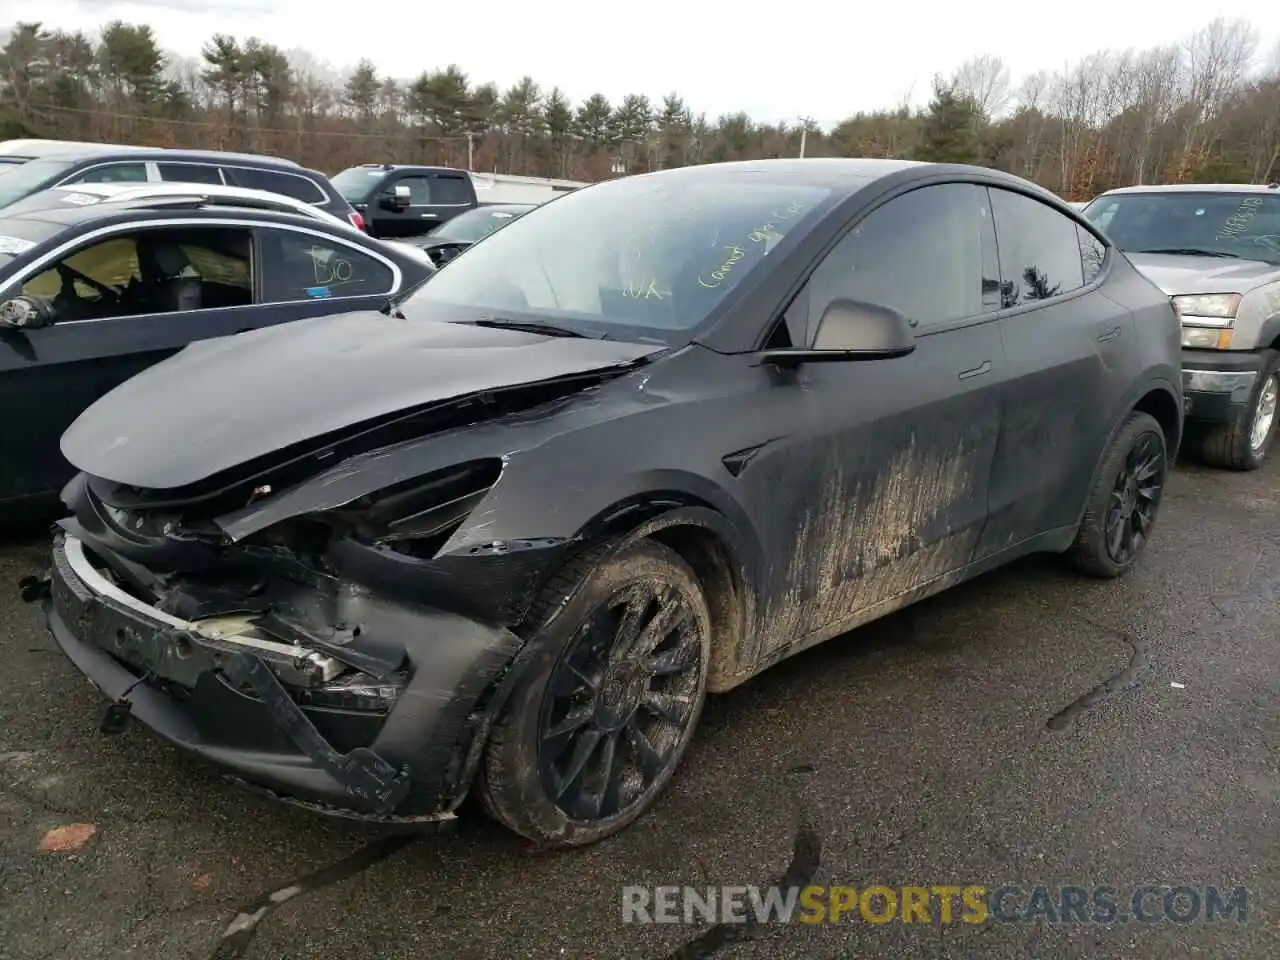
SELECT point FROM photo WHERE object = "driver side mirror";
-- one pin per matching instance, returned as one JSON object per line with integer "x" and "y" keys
{"x": 852, "y": 330}
{"x": 399, "y": 199}
{"x": 25, "y": 313}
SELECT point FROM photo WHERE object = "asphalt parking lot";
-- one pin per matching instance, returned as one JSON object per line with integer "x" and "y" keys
{"x": 1028, "y": 728}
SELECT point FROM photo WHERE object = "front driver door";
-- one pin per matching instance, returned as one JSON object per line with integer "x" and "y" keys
{"x": 120, "y": 308}
{"x": 900, "y": 466}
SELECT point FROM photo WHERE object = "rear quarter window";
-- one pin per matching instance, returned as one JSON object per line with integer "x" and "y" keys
{"x": 287, "y": 184}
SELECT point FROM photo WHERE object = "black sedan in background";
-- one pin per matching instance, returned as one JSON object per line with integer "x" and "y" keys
{"x": 452, "y": 237}
{"x": 635, "y": 447}
{"x": 92, "y": 293}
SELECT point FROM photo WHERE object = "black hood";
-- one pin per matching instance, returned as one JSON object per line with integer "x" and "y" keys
{"x": 225, "y": 402}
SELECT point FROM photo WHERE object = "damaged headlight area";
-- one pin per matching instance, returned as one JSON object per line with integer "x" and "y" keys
{"x": 417, "y": 516}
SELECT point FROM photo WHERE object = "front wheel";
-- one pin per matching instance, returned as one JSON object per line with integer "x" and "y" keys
{"x": 595, "y": 730}
{"x": 1122, "y": 505}
{"x": 1242, "y": 444}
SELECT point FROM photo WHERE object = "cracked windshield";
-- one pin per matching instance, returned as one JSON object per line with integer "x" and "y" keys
{"x": 531, "y": 482}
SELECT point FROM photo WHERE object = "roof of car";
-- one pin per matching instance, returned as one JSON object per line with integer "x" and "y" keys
{"x": 70, "y": 216}
{"x": 152, "y": 195}
{"x": 1198, "y": 188}
{"x": 76, "y": 150}
{"x": 389, "y": 167}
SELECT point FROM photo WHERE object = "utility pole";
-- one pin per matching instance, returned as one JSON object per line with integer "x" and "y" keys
{"x": 805, "y": 123}
{"x": 471, "y": 144}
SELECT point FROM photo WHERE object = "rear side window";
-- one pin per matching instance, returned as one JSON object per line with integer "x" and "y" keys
{"x": 114, "y": 173}
{"x": 450, "y": 190}
{"x": 1040, "y": 254}
{"x": 1092, "y": 254}
{"x": 287, "y": 184}
{"x": 189, "y": 173}
{"x": 301, "y": 266}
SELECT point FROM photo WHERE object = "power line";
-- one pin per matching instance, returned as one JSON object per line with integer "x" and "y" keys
{"x": 403, "y": 130}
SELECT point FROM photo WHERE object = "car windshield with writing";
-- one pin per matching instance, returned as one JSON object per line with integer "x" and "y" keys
{"x": 24, "y": 179}
{"x": 356, "y": 183}
{"x": 1224, "y": 224}
{"x": 475, "y": 225}
{"x": 654, "y": 254}
{"x": 17, "y": 236}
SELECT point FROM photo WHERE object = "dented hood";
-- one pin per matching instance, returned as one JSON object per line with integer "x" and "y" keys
{"x": 224, "y": 402}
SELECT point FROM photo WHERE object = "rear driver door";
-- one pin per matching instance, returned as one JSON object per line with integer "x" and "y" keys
{"x": 1068, "y": 347}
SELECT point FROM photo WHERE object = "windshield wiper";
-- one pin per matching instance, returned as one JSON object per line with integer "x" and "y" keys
{"x": 530, "y": 326}
{"x": 1191, "y": 252}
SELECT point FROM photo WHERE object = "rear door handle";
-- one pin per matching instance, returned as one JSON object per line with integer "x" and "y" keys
{"x": 979, "y": 370}
{"x": 1111, "y": 334}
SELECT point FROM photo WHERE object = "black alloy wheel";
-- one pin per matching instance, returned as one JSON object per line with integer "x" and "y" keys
{"x": 620, "y": 702}
{"x": 1135, "y": 498}
{"x": 609, "y": 701}
{"x": 1123, "y": 500}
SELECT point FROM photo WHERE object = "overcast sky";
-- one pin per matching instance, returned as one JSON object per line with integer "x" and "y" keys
{"x": 776, "y": 60}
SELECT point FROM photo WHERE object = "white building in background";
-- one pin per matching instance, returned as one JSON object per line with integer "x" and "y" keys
{"x": 507, "y": 188}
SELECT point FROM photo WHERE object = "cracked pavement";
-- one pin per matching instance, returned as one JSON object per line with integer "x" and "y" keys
{"x": 932, "y": 762}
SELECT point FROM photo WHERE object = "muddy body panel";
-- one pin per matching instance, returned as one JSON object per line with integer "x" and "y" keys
{"x": 400, "y": 537}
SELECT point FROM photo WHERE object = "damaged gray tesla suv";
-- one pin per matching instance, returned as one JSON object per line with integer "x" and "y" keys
{"x": 504, "y": 536}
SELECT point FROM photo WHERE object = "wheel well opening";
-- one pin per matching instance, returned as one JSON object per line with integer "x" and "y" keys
{"x": 722, "y": 584}
{"x": 1164, "y": 408}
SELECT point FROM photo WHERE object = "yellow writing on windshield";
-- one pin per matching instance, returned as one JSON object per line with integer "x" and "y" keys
{"x": 649, "y": 290}
{"x": 767, "y": 233}
{"x": 721, "y": 273}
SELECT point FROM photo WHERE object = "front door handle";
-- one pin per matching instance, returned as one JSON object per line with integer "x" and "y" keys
{"x": 982, "y": 368}
{"x": 1109, "y": 335}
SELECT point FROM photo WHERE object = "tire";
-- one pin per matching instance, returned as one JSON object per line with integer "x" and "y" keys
{"x": 1117, "y": 496}
{"x": 1231, "y": 445}
{"x": 523, "y": 763}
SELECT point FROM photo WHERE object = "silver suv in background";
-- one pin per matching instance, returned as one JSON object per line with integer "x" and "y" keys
{"x": 1215, "y": 250}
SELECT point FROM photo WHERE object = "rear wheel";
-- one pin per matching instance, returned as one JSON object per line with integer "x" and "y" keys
{"x": 595, "y": 730}
{"x": 1123, "y": 502}
{"x": 1242, "y": 444}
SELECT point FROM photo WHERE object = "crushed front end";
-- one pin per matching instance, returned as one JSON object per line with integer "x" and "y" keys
{"x": 334, "y": 660}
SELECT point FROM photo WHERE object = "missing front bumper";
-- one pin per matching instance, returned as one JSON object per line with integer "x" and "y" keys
{"x": 221, "y": 697}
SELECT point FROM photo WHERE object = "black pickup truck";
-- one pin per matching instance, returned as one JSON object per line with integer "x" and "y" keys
{"x": 399, "y": 200}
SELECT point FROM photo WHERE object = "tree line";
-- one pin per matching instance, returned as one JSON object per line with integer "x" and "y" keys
{"x": 1203, "y": 110}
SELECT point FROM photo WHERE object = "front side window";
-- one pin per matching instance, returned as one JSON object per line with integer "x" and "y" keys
{"x": 655, "y": 253}
{"x": 115, "y": 173}
{"x": 420, "y": 194}
{"x": 1227, "y": 224}
{"x": 147, "y": 272}
{"x": 300, "y": 266}
{"x": 1040, "y": 254}
{"x": 928, "y": 254}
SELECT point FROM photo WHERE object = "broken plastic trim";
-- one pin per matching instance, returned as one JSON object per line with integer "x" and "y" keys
{"x": 323, "y": 667}
{"x": 364, "y": 774}
{"x": 418, "y": 516}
